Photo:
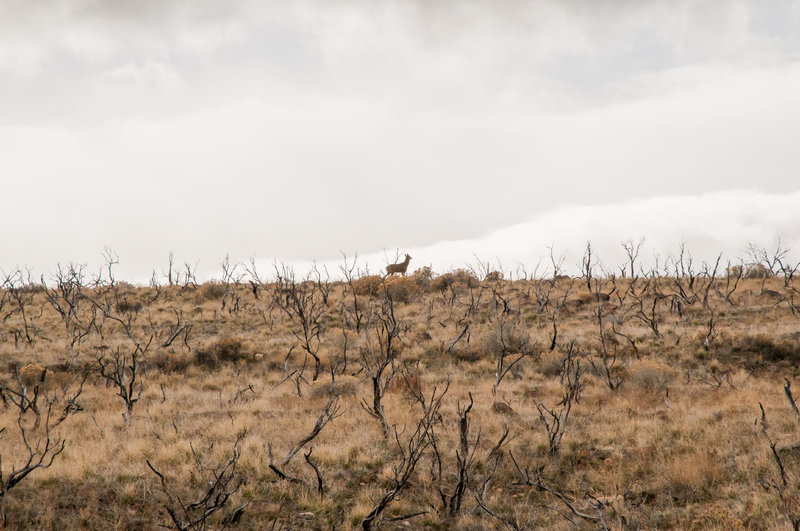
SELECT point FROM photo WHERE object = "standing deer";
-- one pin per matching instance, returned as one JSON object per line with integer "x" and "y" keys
{"x": 399, "y": 267}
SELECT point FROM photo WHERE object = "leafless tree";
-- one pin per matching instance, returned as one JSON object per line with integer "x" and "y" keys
{"x": 783, "y": 488}
{"x": 632, "y": 250}
{"x": 331, "y": 411}
{"x": 231, "y": 277}
{"x": 587, "y": 267}
{"x": 378, "y": 356}
{"x": 303, "y": 302}
{"x": 592, "y": 503}
{"x": 411, "y": 451}
{"x": 555, "y": 419}
{"x": 41, "y": 446}
{"x": 123, "y": 370}
{"x": 352, "y": 314}
{"x": 509, "y": 343}
{"x": 466, "y": 462}
{"x": 607, "y": 351}
{"x": 772, "y": 260}
{"x": 170, "y": 274}
{"x": 168, "y": 331}
{"x": 18, "y": 294}
{"x": 732, "y": 277}
{"x": 223, "y": 483}
{"x": 647, "y": 300}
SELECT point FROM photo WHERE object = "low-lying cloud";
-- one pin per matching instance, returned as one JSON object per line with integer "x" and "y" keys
{"x": 706, "y": 225}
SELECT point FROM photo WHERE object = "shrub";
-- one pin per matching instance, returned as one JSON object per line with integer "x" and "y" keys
{"x": 402, "y": 289}
{"x": 734, "y": 271}
{"x": 494, "y": 276}
{"x": 31, "y": 374}
{"x": 409, "y": 384}
{"x": 345, "y": 389}
{"x": 423, "y": 277}
{"x": 757, "y": 271}
{"x": 444, "y": 281}
{"x": 690, "y": 477}
{"x": 126, "y": 306}
{"x": 211, "y": 290}
{"x": 169, "y": 362}
{"x": 551, "y": 365}
{"x": 510, "y": 336}
{"x": 369, "y": 285}
{"x": 220, "y": 351}
{"x": 771, "y": 349}
{"x": 650, "y": 377}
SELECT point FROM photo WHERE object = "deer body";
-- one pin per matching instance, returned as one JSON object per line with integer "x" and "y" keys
{"x": 399, "y": 267}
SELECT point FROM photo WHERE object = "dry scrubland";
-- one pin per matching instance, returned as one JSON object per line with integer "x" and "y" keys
{"x": 642, "y": 411}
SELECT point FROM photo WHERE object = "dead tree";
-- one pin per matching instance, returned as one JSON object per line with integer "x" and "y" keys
{"x": 411, "y": 451}
{"x": 732, "y": 277}
{"x": 224, "y": 482}
{"x": 772, "y": 260}
{"x": 123, "y": 370}
{"x": 304, "y": 303}
{"x": 607, "y": 350}
{"x": 331, "y": 411}
{"x": 510, "y": 343}
{"x": 18, "y": 294}
{"x": 480, "y": 485}
{"x": 65, "y": 296}
{"x": 787, "y": 390}
{"x": 352, "y": 314}
{"x": 632, "y": 250}
{"x": 169, "y": 331}
{"x": 587, "y": 268}
{"x": 378, "y": 356}
{"x": 40, "y": 445}
{"x": 783, "y": 487}
{"x": 592, "y": 504}
{"x": 231, "y": 278}
{"x": 647, "y": 301}
{"x": 555, "y": 419}
{"x": 466, "y": 462}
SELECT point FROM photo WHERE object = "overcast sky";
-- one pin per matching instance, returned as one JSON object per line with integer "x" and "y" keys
{"x": 296, "y": 130}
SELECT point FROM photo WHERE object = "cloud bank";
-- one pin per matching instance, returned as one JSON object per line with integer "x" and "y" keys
{"x": 708, "y": 225}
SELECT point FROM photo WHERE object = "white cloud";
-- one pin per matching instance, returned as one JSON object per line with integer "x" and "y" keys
{"x": 148, "y": 74}
{"x": 709, "y": 225}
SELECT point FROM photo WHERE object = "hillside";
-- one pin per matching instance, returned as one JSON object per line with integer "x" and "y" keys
{"x": 464, "y": 399}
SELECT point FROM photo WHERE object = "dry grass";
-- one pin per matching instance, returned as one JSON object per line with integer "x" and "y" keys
{"x": 675, "y": 446}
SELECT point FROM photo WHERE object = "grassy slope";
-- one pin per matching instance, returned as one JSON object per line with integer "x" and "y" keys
{"x": 676, "y": 445}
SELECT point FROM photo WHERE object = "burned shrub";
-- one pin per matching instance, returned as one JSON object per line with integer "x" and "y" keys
{"x": 757, "y": 271}
{"x": 211, "y": 290}
{"x": 229, "y": 349}
{"x": 167, "y": 362}
{"x": 126, "y": 306}
{"x": 771, "y": 349}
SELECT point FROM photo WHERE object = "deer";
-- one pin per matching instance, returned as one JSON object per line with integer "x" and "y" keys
{"x": 400, "y": 267}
